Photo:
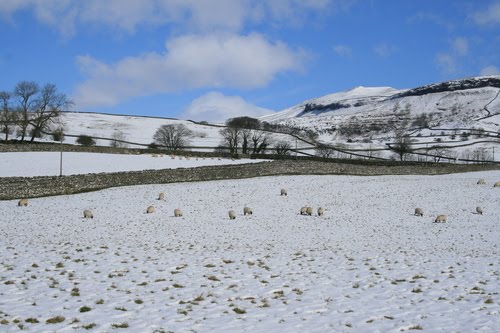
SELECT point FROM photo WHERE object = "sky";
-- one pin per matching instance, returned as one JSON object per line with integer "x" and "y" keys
{"x": 216, "y": 59}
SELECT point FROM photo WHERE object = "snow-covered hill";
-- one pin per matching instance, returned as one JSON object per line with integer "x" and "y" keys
{"x": 140, "y": 129}
{"x": 448, "y": 114}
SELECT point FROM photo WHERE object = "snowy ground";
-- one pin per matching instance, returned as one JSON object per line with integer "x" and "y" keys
{"x": 368, "y": 265}
{"x": 29, "y": 164}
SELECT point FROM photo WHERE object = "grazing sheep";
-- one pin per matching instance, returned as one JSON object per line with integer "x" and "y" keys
{"x": 440, "y": 218}
{"x": 150, "y": 210}
{"x": 177, "y": 212}
{"x": 497, "y": 184}
{"x": 284, "y": 192}
{"x": 479, "y": 210}
{"x": 23, "y": 202}
{"x": 419, "y": 212}
{"x": 161, "y": 196}
{"x": 303, "y": 211}
{"x": 481, "y": 182}
{"x": 232, "y": 214}
{"x": 309, "y": 211}
{"x": 247, "y": 210}
{"x": 87, "y": 213}
{"x": 321, "y": 211}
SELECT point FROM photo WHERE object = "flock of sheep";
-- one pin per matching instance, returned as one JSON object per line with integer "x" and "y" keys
{"x": 306, "y": 210}
{"x": 442, "y": 218}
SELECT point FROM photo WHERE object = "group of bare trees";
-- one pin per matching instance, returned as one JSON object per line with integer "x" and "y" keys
{"x": 29, "y": 110}
{"x": 245, "y": 135}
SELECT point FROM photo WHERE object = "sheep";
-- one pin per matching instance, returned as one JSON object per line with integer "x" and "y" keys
{"x": 87, "y": 213}
{"x": 309, "y": 211}
{"x": 247, "y": 210}
{"x": 161, "y": 196}
{"x": 321, "y": 211}
{"x": 303, "y": 211}
{"x": 481, "y": 182}
{"x": 440, "y": 218}
{"x": 177, "y": 212}
{"x": 419, "y": 212}
{"x": 150, "y": 210}
{"x": 232, "y": 214}
{"x": 479, "y": 210}
{"x": 497, "y": 184}
{"x": 284, "y": 192}
{"x": 23, "y": 202}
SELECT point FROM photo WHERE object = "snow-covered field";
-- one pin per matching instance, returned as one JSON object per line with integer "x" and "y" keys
{"x": 29, "y": 164}
{"x": 367, "y": 265}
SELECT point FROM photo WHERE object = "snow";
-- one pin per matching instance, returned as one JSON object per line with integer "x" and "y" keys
{"x": 140, "y": 130}
{"x": 367, "y": 265}
{"x": 30, "y": 164}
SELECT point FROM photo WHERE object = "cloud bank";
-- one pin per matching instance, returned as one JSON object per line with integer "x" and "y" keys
{"x": 189, "y": 62}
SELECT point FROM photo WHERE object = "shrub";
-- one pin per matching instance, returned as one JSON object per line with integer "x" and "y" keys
{"x": 85, "y": 140}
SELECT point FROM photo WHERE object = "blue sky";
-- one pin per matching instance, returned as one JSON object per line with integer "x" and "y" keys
{"x": 213, "y": 59}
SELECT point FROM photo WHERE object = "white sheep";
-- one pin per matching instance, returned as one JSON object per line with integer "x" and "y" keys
{"x": 309, "y": 211}
{"x": 87, "y": 213}
{"x": 23, "y": 202}
{"x": 440, "y": 218}
{"x": 232, "y": 214}
{"x": 303, "y": 211}
{"x": 479, "y": 210}
{"x": 284, "y": 192}
{"x": 247, "y": 210}
{"x": 177, "y": 212}
{"x": 419, "y": 212}
{"x": 321, "y": 211}
{"x": 497, "y": 184}
{"x": 161, "y": 196}
{"x": 150, "y": 210}
{"x": 481, "y": 182}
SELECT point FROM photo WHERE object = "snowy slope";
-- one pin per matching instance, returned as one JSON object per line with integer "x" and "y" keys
{"x": 140, "y": 130}
{"x": 368, "y": 118}
{"x": 367, "y": 265}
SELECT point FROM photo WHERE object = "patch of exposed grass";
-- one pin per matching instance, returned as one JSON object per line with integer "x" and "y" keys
{"x": 122, "y": 325}
{"x": 85, "y": 309}
{"x": 55, "y": 320}
{"x": 89, "y": 326}
{"x": 239, "y": 311}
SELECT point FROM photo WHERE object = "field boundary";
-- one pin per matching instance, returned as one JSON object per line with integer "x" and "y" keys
{"x": 30, "y": 187}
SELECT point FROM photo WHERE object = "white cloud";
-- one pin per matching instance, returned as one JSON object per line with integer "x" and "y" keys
{"x": 489, "y": 16}
{"x": 192, "y": 15}
{"x": 385, "y": 50}
{"x": 490, "y": 70}
{"x": 216, "y": 107}
{"x": 433, "y": 18}
{"x": 460, "y": 46}
{"x": 189, "y": 62}
{"x": 446, "y": 63}
{"x": 342, "y": 51}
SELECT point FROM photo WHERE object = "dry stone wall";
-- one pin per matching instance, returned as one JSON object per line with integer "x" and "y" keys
{"x": 17, "y": 187}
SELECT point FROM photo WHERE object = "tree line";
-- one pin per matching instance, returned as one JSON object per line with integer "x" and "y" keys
{"x": 30, "y": 109}
{"x": 245, "y": 135}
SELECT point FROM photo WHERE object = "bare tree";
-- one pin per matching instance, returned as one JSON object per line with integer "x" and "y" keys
{"x": 403, "y": 144}
{"x": 231, "y": 138}
{"x": 260, "y": 141}
{"x": 25, "y": 92}
{"x": 117, "y": 139}
{"x": 173, "y": 137}
{"x": 47, "y": 108}
{"x": 8, "y": 118}
{"x": 324, "y": 151}
{"x": 283, "y": 147}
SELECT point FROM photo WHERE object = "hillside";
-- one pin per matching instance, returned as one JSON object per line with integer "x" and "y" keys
{"x": 448, "y": 114}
